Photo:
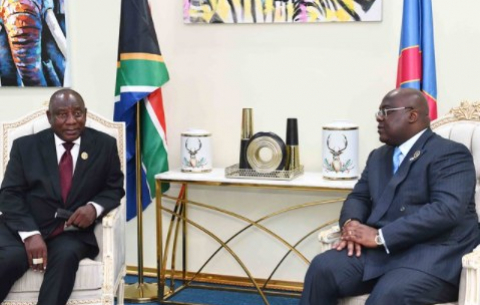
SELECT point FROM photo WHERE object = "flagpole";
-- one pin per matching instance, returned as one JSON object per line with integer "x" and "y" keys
{"x": 140, "y": 292}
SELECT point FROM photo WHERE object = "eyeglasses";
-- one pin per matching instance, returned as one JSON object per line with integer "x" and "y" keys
{"x": 383, "y": 113}
{"x": 63, "y": 116}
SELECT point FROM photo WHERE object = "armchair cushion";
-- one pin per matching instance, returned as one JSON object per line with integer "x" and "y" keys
{"x": 89, "y": 277}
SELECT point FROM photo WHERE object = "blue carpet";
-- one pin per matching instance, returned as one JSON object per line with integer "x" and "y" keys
{"x": 218, "y": 297}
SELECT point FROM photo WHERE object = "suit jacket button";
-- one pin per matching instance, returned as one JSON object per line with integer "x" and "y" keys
{"x": 402, "y": 209}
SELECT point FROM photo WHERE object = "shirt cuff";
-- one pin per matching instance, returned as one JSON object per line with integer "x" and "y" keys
{"x": 380, "y": 234}
{"x": 24, "y": 235}
{"x": 98, "y": 208}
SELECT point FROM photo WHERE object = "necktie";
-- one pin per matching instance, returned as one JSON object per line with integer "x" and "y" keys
{"x": 397, "y": 154}
{"x": 65, "y": 168}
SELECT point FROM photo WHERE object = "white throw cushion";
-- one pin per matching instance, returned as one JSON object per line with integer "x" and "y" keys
{"x": 360, "y": 300}
{"x": 89, "y": 276}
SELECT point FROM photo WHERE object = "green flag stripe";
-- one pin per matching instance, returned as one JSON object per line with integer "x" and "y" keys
{"x": 155, "y": 158}
{"x": 141, "y": 73}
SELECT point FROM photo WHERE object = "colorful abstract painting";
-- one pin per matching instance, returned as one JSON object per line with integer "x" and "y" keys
{"x": 281, "y": 11}
{"x": 33, "y": 44}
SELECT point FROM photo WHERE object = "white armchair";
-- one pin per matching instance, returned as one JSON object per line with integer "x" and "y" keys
{"x": 461, "y": 124}
{"x": 98, "y": 281}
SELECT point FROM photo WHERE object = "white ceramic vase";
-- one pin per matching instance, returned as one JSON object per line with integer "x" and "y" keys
{"x": 340, "y": 150}
{"x": 196, "y": 151}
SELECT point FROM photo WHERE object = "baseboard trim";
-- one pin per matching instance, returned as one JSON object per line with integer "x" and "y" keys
{"x": 221, "y": 279}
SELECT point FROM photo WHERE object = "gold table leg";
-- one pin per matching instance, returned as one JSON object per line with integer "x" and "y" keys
{"x": 160, "y": 271}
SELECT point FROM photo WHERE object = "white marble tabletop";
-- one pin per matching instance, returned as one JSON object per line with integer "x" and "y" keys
{"x": 308, "y": 180}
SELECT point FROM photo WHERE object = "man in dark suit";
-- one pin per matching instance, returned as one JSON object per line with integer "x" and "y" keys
{"x": 67, "y": 166}
{"x": 409, "y": 219}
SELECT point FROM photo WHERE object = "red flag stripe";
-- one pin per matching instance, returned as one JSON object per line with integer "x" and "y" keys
{"x": 432, "y": 104}
{"x": 156, "y": 101}
{"x": 409, "y": 65}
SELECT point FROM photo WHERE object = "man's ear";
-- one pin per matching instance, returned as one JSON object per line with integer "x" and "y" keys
{"x": 49, "y": 116}
{"x": 413, "y": 117}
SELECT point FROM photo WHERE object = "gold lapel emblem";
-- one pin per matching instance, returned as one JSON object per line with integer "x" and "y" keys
{"x": 84, "y": 156}
{"x": 415, "y": 156}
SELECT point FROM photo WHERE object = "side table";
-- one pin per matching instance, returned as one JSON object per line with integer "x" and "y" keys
{"x": 180, "y": 221}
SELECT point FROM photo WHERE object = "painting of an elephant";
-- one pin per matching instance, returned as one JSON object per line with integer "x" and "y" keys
{"x": 32, "y": 43}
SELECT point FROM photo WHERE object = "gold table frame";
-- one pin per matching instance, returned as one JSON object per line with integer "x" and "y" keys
{"x": 179, "y": 219}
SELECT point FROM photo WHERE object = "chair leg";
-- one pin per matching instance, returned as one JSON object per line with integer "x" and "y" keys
{"x": 121, "y": 292}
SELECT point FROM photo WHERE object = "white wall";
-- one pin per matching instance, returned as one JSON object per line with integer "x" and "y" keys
{"x": 314, "y": 72}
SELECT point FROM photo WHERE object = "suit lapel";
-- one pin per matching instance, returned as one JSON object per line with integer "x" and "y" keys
{"x": 386, "y": 172}
{"x": 49, "y": 155}
{"x": 388, "y": 194}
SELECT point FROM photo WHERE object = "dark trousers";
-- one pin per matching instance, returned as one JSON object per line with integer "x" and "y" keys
{"x": 333, "y": 275}
{"x": 64, "y": 253}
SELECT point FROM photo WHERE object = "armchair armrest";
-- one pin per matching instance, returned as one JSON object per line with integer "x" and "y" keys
{"x": 111, "y": 242}
{"x": 329, "y": 236}
{"x": 469, "y": 293}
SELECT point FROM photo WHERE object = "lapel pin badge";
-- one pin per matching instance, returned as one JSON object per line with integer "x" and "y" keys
{"x": 415, "y": 156}
{"x": 84, "y": 156}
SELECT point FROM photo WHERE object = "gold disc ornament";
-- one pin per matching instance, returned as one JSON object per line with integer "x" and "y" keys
{"x": 266, "y": 152}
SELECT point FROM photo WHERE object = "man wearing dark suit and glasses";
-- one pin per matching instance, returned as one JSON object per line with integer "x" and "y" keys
{"x": 409, "y": 219}
{"x": 67, "y": 166}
